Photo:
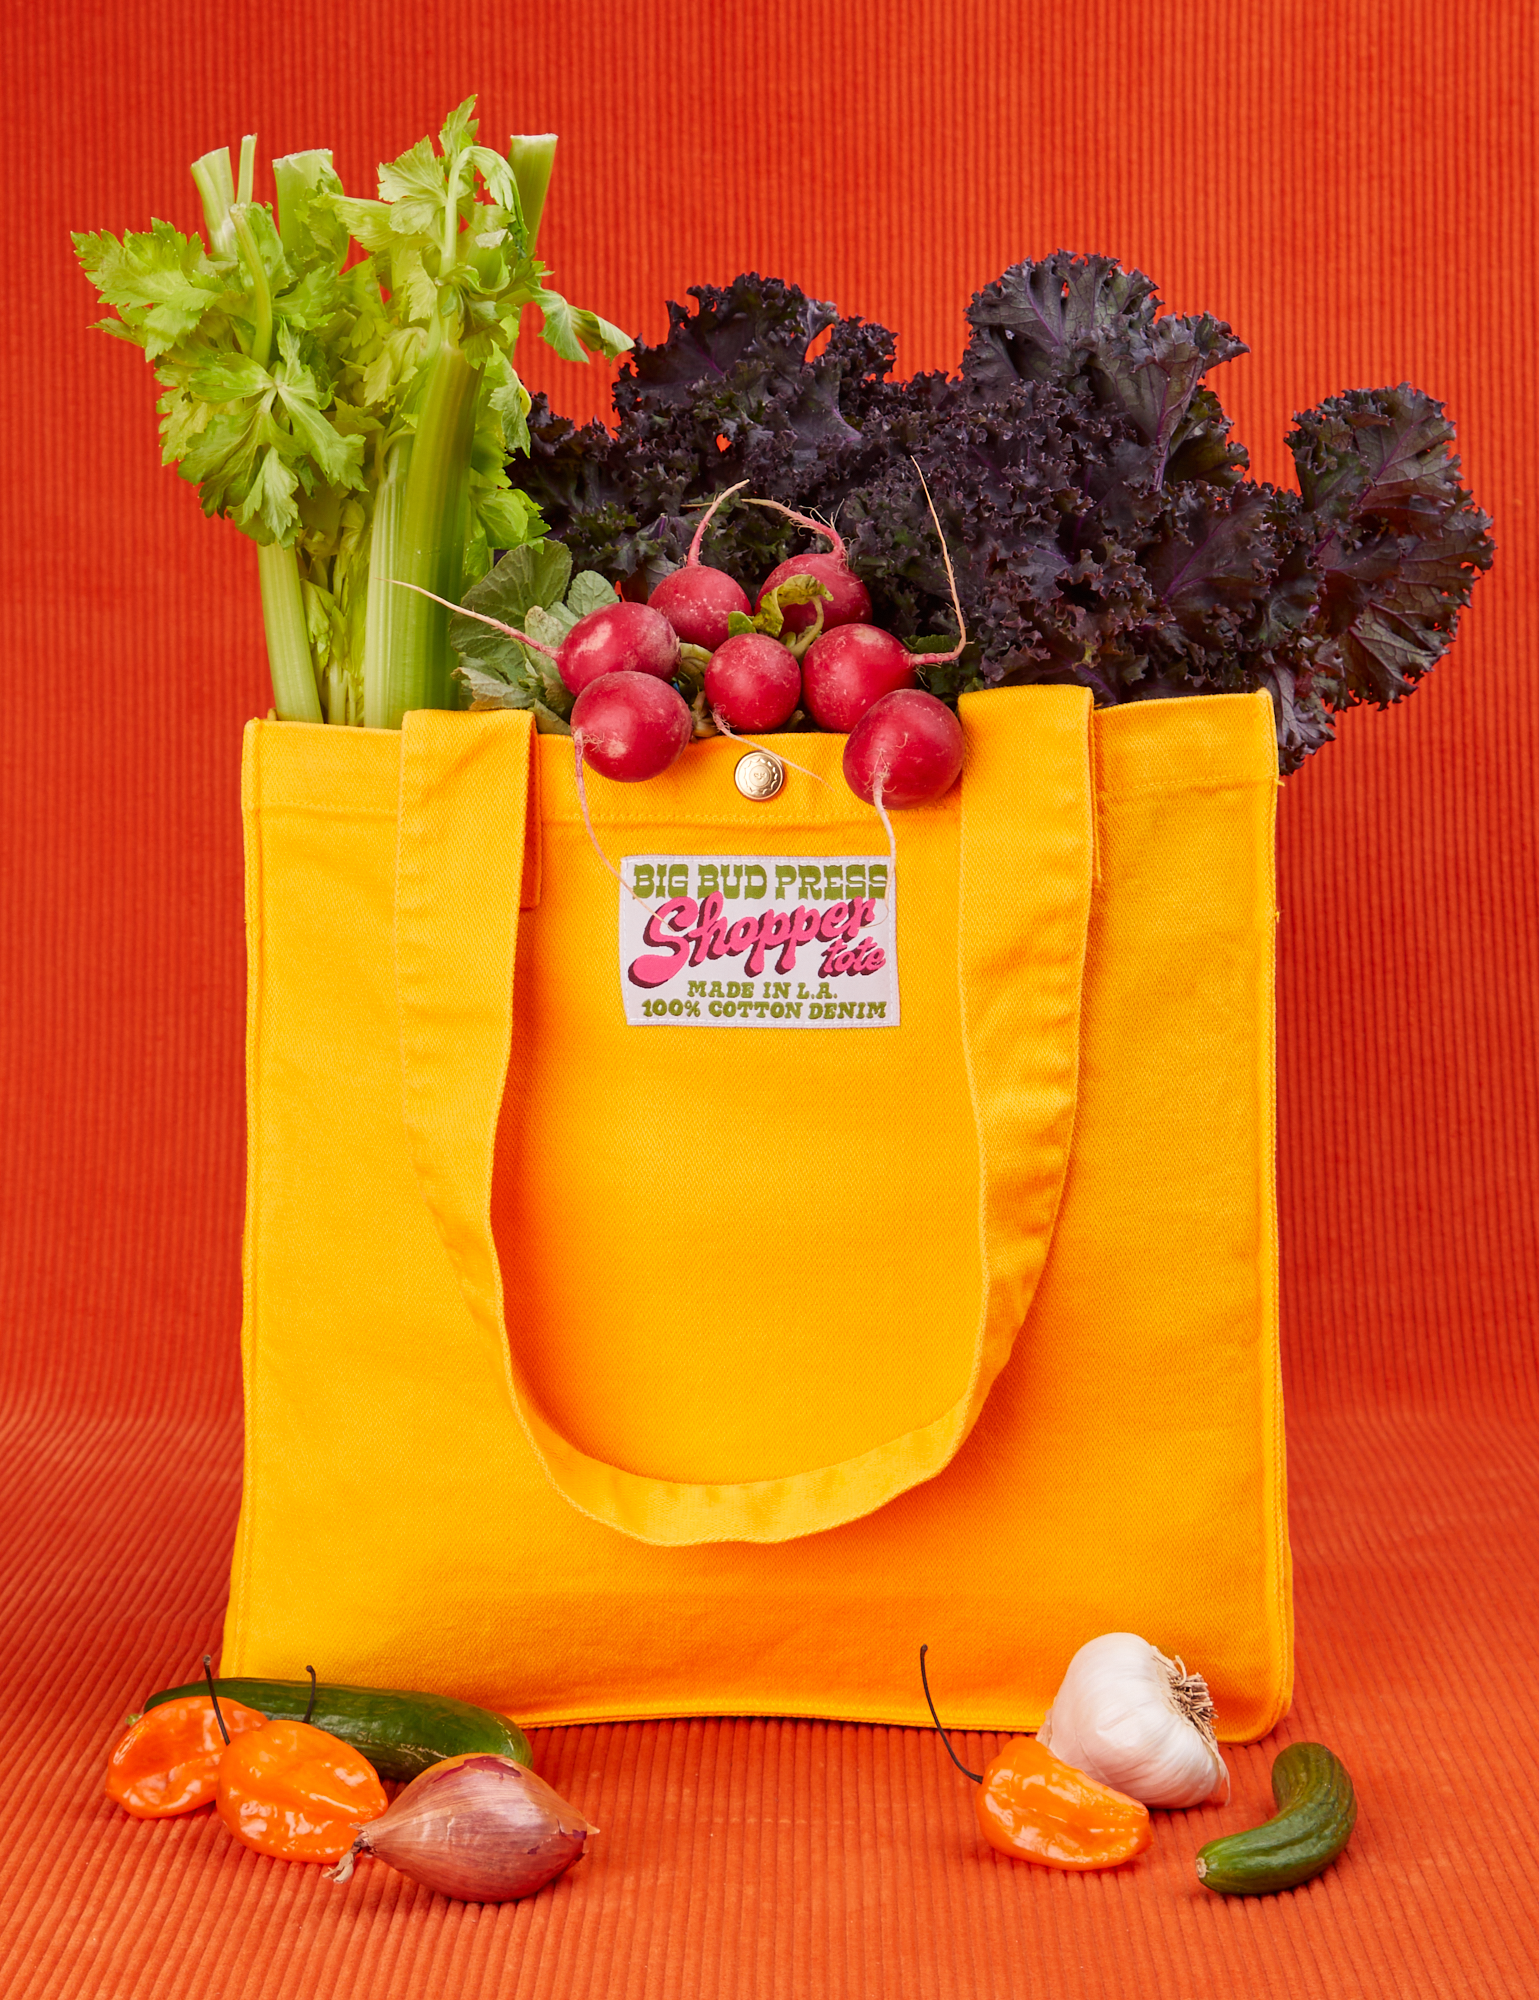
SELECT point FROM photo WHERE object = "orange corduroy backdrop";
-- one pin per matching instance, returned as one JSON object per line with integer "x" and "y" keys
{"x": 1352, "y": 186}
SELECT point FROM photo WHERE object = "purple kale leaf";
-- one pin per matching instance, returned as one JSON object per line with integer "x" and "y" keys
{"x": 1088, "y": 326}
{"x": 1050, "y": 321}
{"x": 729, "y": 394}
{"x": 1210, "y": 569}
{"x": 1011, "y": 476}
{"x": 1400, "y": 540}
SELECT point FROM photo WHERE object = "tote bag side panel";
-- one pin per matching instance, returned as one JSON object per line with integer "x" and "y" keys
{"x": 372, "y": 1410}
{"x": 1160, "y": 1295}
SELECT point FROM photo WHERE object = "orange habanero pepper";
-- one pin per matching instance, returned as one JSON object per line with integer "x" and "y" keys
{"x": 167, "y": 1760}
{"x": 297, "y": 1792}
{"x": 1034, "y": 1806}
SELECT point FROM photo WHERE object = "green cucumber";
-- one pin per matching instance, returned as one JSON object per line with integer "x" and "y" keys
{"x": 1316, "y": 1811}
{"x": 399, "y": 1731}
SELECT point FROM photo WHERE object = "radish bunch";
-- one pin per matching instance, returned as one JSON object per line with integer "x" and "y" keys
{"x": 811, "y": 644}
{"x": 808, "y": 643}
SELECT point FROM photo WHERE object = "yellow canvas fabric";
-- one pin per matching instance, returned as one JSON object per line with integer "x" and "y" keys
{"x": 601, "y": 1371}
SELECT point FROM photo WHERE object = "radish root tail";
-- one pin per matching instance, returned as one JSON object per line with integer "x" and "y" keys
{"x": 813, "y": 526}
{"x": 587, "y": 819}
{"x": 881, "y": 812}
{"x": 509, "y": 631}
{"x": 692, "y": 560}
{"x": 924, "y": 1682}
{"x": 941, "y": 659}
{"x": 732, "y": 736}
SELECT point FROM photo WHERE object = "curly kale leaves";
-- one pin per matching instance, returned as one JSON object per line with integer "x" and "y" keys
{"x": 729, "y": 395}
{"x": 1400, "y": 540}
{"x": 1094, "y": 502}
{"x": 1090, "y": 327}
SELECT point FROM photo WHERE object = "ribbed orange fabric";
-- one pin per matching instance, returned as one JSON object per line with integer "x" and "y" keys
{"x": 1353, "y": 186}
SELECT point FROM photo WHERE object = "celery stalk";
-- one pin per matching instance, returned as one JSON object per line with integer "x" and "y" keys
{"x": 435, "y": 519}
{"x": 422, "y": 509}
{"x": 532, "y": 155}
{"x": 216, "y": 185}
{"x": 295, "y": 176}
{"x": 295, "y": 696}
{"x": 384, "y": 681}
{"x": 261, "y": 293}
{"x": 434, "y": 523}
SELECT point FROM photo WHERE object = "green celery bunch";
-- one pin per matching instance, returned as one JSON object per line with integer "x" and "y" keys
{"x": 353, "y": 418}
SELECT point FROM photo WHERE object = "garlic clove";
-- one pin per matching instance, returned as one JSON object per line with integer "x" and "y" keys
{"x": 1133, "y": 1719}
{"x": 480, "y": 1828}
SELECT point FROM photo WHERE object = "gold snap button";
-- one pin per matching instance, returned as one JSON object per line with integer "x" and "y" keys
{"x": 759, "y": 775}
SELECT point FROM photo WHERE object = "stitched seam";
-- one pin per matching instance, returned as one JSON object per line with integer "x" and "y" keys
{"x": 1193, "y": 788}
{"x": 1093, "y": 838}
{"x": 1281, "y": 1554}
{"x": 234, "y": 1641}
{"x": 986, "y": 1288}
{"x": 560, "y": 816}
{"x": 324, "y": 809}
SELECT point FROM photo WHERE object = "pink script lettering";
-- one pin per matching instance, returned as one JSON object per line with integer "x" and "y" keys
{"x": 684, "y": 933}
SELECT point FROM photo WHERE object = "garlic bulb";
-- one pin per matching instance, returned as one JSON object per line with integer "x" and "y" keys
{"x": 1138, "y": 1722}
{"x": 480, "y": 1827}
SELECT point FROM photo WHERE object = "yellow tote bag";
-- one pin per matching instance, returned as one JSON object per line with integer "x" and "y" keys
{"x": 687, "y": 1299}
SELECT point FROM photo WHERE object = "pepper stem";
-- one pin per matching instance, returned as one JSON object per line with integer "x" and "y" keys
{"x": 310, "y": 1705}
{"x": 924, "y": 1683}
{"x": 208, "y": 1675}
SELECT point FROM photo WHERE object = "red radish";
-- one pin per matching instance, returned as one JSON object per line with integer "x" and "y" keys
{"x": 904, "y": 751}
{"x": 752, "y": 682}
{"x": 630, "y": 726}
{"x": 848, "y": 602}
{"x": 696, "y": 600}
{"x": 849, "y": 668}
{"x": 617, "y": 638}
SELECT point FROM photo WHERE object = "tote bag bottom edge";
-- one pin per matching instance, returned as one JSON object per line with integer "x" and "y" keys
{"x": 956, "y": 1716}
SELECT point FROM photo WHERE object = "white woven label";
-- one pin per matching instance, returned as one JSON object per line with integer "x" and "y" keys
{"x": 758, "y": 941}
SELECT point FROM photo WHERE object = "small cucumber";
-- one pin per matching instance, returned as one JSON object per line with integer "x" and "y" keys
{"x": 1316, "y": 1811}
{"x": 399, "y": 1731}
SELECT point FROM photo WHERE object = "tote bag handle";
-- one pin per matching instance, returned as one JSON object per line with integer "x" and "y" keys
{"x": 1025, "y": 864}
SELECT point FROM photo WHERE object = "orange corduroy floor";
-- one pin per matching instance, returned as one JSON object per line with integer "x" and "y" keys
{"x": 1353, "y": 187}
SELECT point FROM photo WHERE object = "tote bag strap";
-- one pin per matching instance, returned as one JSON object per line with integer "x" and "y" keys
{"x": 1025, "y": 865}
